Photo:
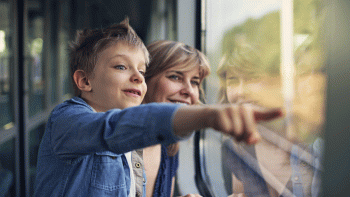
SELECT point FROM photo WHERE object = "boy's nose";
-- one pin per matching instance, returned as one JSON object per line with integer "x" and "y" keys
{"x": 137, "y": 77}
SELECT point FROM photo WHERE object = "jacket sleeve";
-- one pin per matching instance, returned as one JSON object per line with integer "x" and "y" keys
{"x": 76, "y": 131}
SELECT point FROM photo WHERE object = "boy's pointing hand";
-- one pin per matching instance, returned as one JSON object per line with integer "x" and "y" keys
{"x": 238, "y": 120}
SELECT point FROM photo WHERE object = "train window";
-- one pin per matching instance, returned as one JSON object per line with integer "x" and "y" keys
{"x": 162, "y": 21}
{"x": 35, "y": 138}
{"x": 63, "y": 36}
{"x": 7, "y": 168}
{"x": 6, "y": 60}
{"x": 51, "y": 42}
{"x": 34, "y": 55}
{"x": 268, "y": 53}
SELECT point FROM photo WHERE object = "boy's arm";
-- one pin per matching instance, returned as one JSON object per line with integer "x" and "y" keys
{"x": 77, "y": 131}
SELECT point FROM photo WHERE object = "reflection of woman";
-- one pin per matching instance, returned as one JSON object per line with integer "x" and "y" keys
{"x": 175, "y": 74}
{"x": 274, "y": 166}
{"x": 237, "y": 68}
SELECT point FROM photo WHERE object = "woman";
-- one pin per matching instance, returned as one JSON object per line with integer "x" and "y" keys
{"x": 175, "y": 74}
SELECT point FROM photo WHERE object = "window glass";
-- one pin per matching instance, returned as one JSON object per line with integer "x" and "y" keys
{"x": 7, "y": 168}
{"x": 6, "y": 35}
{"x": 35, "y": 136}
{"x": 52, "y": 45}
{"x": 247, "y": 43}
{"x": 162, "y": 21}
{"x": 63, "y": 50}
{"x": 34, "y": 57}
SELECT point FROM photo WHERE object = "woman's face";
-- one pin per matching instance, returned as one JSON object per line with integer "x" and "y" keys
{"x": 174, "y": 85}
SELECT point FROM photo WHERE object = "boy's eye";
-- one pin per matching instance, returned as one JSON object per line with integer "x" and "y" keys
{"x": 120, "y": 67}
{"x": 142, "y": 72}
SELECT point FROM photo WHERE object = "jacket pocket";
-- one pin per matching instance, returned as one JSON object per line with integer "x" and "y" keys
{"x": 108, "y": 171}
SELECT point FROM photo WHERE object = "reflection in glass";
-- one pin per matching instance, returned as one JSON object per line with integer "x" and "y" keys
{"x": 34, "y": 51}
{"x": 6, "y": 110}
{"x": 7, "y": 168}
{"x": 287, "y": 161}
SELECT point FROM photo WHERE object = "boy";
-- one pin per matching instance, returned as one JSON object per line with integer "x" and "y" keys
{"x": 85, "y": 150}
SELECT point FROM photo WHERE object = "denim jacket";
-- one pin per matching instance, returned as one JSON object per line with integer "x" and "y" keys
{"x": 82, "y": 151}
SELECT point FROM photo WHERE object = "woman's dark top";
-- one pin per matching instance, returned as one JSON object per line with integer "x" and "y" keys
{"x": 167, "y": 170}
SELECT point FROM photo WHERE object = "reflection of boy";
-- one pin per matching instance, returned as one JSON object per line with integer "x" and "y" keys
{"x": 85, "y": 150}
{"x": 244, "y": 79}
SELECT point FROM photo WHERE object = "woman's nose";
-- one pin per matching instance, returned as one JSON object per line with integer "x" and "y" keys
{"x": 187, "y": 89}
{"x": 240, "y": 88}
{"x": 236, "y": 93}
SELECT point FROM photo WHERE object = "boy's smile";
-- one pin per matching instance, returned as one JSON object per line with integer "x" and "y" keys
{"x": 117, "y": 80}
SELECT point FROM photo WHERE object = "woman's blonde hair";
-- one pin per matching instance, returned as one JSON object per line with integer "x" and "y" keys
{"x": 165, "y": 54}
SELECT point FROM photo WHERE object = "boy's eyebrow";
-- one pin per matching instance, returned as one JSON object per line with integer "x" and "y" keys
{"x": 122, "y": 55}
{"x": 117, "y": 55}
{"x": 144, "y": 66}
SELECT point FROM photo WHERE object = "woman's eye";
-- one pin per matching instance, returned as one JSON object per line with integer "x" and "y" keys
{"x": 120, "y": 67}
{"x": 174, "y": 77}
{"x": 196, "y": 83}
{"x": 232, "y": 78}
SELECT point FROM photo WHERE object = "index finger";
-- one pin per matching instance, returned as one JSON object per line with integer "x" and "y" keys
{"x": 267, "y": 114}
{"x": 251, "y": 135}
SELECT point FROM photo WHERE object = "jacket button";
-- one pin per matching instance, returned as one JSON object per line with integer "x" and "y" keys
{"x": 137, "y": 165}
{"x": 296, "y": 178}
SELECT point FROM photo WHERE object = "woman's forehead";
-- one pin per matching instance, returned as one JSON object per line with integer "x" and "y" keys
{"x": 193, "y": 69}
{"x": 185, "y": 67}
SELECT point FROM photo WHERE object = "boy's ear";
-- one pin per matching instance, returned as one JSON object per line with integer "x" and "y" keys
{"x": 82, "y": 81}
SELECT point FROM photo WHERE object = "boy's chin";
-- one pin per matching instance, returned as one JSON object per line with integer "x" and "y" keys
{"x": 129, "y": 105}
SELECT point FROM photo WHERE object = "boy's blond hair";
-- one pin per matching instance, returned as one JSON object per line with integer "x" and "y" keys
{"x": 89, "y": 43}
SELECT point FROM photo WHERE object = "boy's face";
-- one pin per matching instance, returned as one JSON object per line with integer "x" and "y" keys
{"x": 118, "y": 80}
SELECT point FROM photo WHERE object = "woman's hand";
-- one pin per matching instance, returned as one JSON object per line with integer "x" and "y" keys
{"x": 237, "y": 120}
{"x": 237, "y": 195}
